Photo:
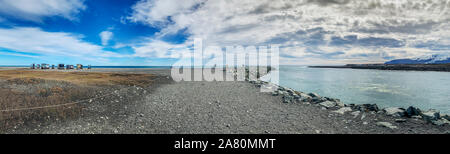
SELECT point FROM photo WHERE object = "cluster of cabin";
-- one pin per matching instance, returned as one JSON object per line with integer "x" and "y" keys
{"x": 59, "y": 66}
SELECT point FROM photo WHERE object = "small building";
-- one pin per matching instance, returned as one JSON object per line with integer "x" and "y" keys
{"x": 69, "y": 67}
{"x": 79, "y": 67}
{"x": 60, "y": 66}
{"x": 38, "y": 66}
{"x": 45, "y": 66}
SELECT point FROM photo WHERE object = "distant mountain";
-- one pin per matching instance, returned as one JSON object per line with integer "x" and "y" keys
{"x": 432, "y": 59}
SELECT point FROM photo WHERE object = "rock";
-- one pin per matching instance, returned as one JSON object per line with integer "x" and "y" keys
{"x": 394, "y": 111}
{"x": 363, "y": 116}
{"x": 386, "y": 124}
{"x": 430, "y": 115}
{"x": 314, "y": 95}
{"x": 332, "y": 99}
{"x": 296, "y": 97}
{"x": 290, "y": 91}
{"x": 365, "y": 107}
{"x": 400, "y": 120}
{"x": 274, "y": 93}
{"x": 288, "y": 99}
{"x": 340, "y": 104}
{"x": 417, "y": 117}
{"x": 318, "y": 100}
{"x": 441, "y": 122}
{"x": 355, "y": 114}
{"x": 365, "y": 123}
{"x": 304, "y": 97}
{"x": 412, "y": 111}
{"x": 445, "y": 116}
{"x": 343, "y": 110}
{"x": 328, "y": 104}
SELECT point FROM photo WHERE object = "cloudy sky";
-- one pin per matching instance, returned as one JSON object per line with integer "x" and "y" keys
{"x": 150, "y": 32}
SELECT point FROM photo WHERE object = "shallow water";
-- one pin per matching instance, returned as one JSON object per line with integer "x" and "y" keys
{"x": 386, "y": 88}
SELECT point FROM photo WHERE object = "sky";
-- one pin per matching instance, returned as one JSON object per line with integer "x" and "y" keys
{"x": 156, "y": 32}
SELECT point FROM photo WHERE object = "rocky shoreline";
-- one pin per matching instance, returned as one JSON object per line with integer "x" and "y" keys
{"x": 401, "y": 115}
{"x": 404, "y": 67}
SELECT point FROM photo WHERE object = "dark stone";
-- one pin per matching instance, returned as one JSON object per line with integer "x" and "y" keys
{"x": 413, "y": 111}
{"x": 365, "y": 107}
{"x": 288, "y": 99}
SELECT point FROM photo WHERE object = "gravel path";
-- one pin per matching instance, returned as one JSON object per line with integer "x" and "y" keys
{"x": 239, "y": 107}
{"x": 217, "y": 107}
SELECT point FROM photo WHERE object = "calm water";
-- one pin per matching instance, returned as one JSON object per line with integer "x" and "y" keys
{"x": 386, "y": 88}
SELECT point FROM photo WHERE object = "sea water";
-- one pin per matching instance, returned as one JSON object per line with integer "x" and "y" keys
{"x": 423, "y": 89}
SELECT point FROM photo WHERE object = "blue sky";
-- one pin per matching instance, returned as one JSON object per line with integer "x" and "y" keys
{"x": 151, "y": 32}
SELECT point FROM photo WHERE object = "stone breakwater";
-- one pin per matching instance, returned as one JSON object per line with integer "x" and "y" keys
{"x": 291, "y": 96}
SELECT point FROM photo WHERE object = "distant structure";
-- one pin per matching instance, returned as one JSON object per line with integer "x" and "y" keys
{"x": 69, "y": 67}
{"x": 60, "y": 66}
{"x": 79, "y": 67}
{"x": 45, "y": 66}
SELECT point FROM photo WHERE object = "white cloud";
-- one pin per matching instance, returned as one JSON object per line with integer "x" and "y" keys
{"x": 35, "y": 10}
{"x": 160, "y": 49}
{"x": 390, "y": 24}
{"x": 36, "y": 41}
{"x": 105, "y": 36}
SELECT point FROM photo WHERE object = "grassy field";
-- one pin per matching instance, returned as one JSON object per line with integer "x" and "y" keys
{"x": 22, "y": 89}
{"x": 83, "y": 78}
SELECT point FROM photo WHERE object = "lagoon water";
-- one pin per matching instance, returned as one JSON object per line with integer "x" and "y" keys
{"x": 426, "y": 90}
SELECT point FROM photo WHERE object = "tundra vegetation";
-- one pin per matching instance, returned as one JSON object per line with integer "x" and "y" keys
{"x": 28, "y": 97}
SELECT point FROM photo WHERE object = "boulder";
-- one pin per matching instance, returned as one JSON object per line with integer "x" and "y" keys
{"x": 274, "y": 93}
{"x": 296, "y": 97}
{"x": 386, "y": 124}
{"x": 412, "y": 111}
{"x": 304, "y": 98}
{"x": 290, "y": 91}
{"x": 355, "y": 114}
{"x": 332, "y": 99}
{"x": 288, "y": 99}
{"x": 417, "y": 117}
{"x": 394, "y": 111}
{"x": 441, "y": 122}
{"x": 328, "y": 104}
{"x": 430, "y": 115}
{"x": 343, "y": 110}
{"x": 314, "y": 95}
{"x": 445, "y": 116}
{"x": 365, "y": 107}
{"x": 318, "y": 99}
{"x": 340, "y": 104}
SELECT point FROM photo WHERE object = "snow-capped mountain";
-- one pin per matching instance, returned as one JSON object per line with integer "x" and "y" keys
{"x": 429, "y": 59}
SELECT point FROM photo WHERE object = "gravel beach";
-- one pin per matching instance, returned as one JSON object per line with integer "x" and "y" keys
{"x": 236, "y": 107}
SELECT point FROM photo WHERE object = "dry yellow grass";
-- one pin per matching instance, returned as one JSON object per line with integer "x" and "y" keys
{"x": 86, "y": 78}
{"x": 47, "y": 88}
